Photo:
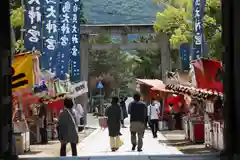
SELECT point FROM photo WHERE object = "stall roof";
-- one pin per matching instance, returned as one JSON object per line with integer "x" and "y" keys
{"x": 194, "y": 92}
{"x": 150, "y": 82}
{"x": 162, "y": 88}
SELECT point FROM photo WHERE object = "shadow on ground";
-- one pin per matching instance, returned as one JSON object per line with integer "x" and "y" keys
{"x": 201, "y": 150}
{"x": 31, "y": 152}
{"x": 176, "y": 143}
{"x": 177, "y": 139}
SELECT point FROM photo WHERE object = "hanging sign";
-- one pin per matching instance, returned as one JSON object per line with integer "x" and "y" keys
{"x": 79, "y": 89}
{"x": 65, "y": 36}
{"x": 75, "y": 50}
{"x": 50, "y": 34}
{"x": 184, "y": 54}
{"x": 33, "y": 25}
{"x": 198, "y": 37}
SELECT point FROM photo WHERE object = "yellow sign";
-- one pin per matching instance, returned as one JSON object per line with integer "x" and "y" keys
{"x": 24, "y": 64}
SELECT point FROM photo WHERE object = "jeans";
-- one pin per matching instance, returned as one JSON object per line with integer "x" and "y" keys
{"x": 154, "y": 126}
{"x": 64, "y": 148}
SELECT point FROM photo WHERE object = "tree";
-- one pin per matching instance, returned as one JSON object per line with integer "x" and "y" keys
{"x": 113, "y": 68}
{"x": 176, "y": 21}
{"x": 83, "y": 19}
{"x": 147, "y": 62}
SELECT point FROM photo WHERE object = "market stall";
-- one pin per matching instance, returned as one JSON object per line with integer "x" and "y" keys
{"x": 156, "y": 89}
{"x": 202, "y": 123}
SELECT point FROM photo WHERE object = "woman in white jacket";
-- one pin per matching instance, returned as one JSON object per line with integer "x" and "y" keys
{"x": 153, "y": 114}
{"x": 79, "y": 114}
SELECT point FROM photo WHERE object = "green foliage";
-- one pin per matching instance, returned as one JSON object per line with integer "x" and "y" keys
{"x": 19, "y": 46}
{"x": 114, "y": 68}
{"x": 147, "y": 62}
{"x": 17, "y": 17}
{"x": 177, "y": 22}
{"x": 83, "y": 19}
{"x": 15, "y": 4}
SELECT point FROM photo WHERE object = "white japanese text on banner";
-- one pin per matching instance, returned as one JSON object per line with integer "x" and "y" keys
{"x": 50, "y": 34}
{"x": 65, "y": 37}
{"x": 198, "y": 36}
{"x": 75, "y": 50}
{"x": 33, "y": 25}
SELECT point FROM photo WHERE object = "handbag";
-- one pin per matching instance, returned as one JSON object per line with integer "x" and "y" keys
{"x": 103, "y": 122}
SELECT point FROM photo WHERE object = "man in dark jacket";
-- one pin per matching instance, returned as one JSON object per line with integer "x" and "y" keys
{"x": 138, "y": 112}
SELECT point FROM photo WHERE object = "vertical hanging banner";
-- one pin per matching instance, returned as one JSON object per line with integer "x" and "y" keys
{"x": 184, "y": 54}
{"x": 33, "y": 25}
{"x": 50, "y": 34}
{"x": 198, "y": 37}
{"x": 75, "y": 50}
{"x": 65, "y": 36}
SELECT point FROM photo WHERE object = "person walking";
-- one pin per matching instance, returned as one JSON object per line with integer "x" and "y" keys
{"x": 67, "y": 128}
{"x": 79, "y": 115}
{"x": 124, "y": 110}
{"x": 113, "y": 114}
{"x": 43, "y": 120}
{"x": 153, "y": 114}
{"x": 138, "y": 112}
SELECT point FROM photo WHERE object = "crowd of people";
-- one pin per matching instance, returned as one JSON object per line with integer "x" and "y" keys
{"x": 141, "y": 116}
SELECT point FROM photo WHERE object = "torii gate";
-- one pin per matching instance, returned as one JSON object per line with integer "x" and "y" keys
{"x": 122, "y": 29}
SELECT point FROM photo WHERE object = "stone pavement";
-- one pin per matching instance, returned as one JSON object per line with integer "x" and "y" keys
{"x": 52, "y": 148}
{"x": 97, "y": 144}
{"x": 177, "y": 139}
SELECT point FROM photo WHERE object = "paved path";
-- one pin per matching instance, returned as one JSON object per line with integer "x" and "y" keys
{"x": 97, "y": 144}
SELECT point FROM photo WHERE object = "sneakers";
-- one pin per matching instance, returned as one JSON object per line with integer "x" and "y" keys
{"x": 133, "y": 147}
{"x": 139, "y": 150}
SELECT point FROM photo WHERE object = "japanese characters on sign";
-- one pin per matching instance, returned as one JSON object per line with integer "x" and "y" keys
{"x": 50, "y": 34}
{"x": 75, "y": 50}
{"x": 198, "y": 39}
{"x": 32, "y": 25}
{"x": 185, "y": 54}
{"x": 65, "y": 37}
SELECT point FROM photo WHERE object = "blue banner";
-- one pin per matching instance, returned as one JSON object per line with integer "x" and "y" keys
{"x": 75, "y": 50}
{"x": 50, "y": 34}
{"x": 185, "y": 56}
{"x": 65, "y": 38}
{"x": 198, "y": 36}
{"x": 33, "y": 25}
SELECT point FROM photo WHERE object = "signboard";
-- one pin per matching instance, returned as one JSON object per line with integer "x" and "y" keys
{"x": 65, "y": 36}
{"x": 50, "y": 34}
{"x": 33, "y": 25}
{"x": 208, "y": 74}
{"x": 198, "y": 36}
{"x": 184, "y": 56}
{"x": 75, "y": 47}
{"x": 99, "y": 85}
{"x": 79, "y": 89}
